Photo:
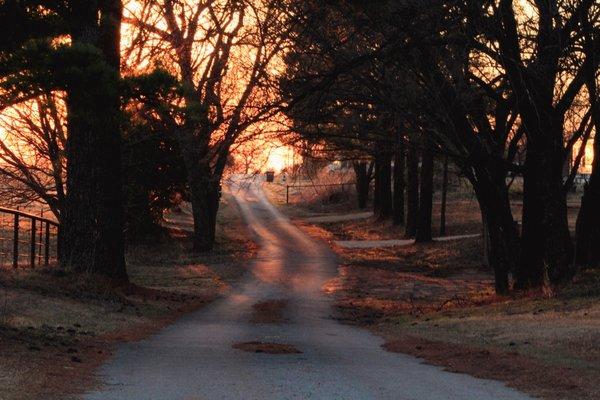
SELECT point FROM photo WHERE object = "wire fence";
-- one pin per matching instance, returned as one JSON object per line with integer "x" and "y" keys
{"x": 27, "y": 240}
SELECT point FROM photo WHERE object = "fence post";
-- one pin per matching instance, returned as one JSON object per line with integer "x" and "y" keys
{"x": 16, "y": 241}
{"x": 47, "y": 245}
{"x": 33, "y": 232}
{"x": 287, "y": 194}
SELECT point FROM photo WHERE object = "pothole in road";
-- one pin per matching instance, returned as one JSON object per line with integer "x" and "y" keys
{"x": 269, "y": 312}
{"x": 267, "y": 348}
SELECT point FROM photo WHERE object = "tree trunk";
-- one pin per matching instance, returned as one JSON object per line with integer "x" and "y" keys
{"x": 205, "y": 191}
{"x": 444, "y": 198}
{"x": 588, "y": 223}
{"x": 501, "y": 232}
{"x": 363, "y": 182}
{"x": 383, "y": 186}
{"x": 546, "y": 247}
{"x": 588, "y": 220}
{"x": 424, "y": 233}
{"x": 399, "y": 185}
{"x": 531, "y": 271}
{"x": 376, "y": 188}
{"x": 412, "y": 189}
{"x": 92, "y": 225}
{"x": 558, "y": 249}
{"x": 205, "y": 206}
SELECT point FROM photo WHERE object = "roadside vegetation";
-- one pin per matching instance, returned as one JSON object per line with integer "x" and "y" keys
{"x": 437, "y": 301}
{"x": 406, "y": 91}
{"x": 56, "y": 327}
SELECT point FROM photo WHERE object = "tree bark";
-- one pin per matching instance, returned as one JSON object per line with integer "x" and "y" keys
{"x": 399, "y": 185}
{"x": 501, "y": 232}
{"x": 412, "y": 189}
{"x": 444, "y": 198}
{"x": 204, "y": 186}
{"x": 92, "y": 226}
{"x": 531, "y": 271}
{"x": 376, "y": 188}
{"x": 588, "y": 220}
{"x": 424, "y": 231}
{"x": 363, "y": 183}
{"x": 383, "y": 186}
{"x": 546, "y": 248}
{"x": 205, "y": 199}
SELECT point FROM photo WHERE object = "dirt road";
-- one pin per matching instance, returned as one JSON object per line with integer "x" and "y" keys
{"x": 195, "y": 358}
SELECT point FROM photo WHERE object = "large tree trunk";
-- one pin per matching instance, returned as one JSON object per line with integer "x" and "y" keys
{"x": 376, "y": 190}
{"x": 412, "y": 189}
{"x": 546, "y": 247}
{"x": 545, "y": 224}
{"x": 92, "y": 225}
{"x": 399, "y": 184}
{"x": 383, "y": 186}
{"x": 363, "y": 182}
{"x": 444, "y": 198}
{"x": 206, "y": 196}
{"x": 558, "y": 249}
{"x": 424, "y": 233}
{"x": 501, "y": 231}
{"x": 588, "y": 221}
{"x": 205, "y": 191}
{"x": 531, "y": 271}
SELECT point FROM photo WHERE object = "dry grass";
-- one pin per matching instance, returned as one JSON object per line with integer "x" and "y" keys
{"x": 462, "y": 214}
{"x": 546, "y": 346}
{"x": 436, "y": 301}
{"x": 519, "y": 371}
{"x": 311, "y": 201}
{"x": 374, "y": 285}
{"x": 56, "y": 328}
{"x": 462, "y": 217}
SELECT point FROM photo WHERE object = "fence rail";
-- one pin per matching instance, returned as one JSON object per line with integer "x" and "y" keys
{"x": 27, "y": 239}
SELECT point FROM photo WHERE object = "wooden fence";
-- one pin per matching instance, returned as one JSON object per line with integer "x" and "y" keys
{"x": 27, "y": 240}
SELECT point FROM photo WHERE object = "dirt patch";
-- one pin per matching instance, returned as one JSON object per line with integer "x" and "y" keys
{"x": 269, "y": 312}
{"x": 268, "y": 348}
